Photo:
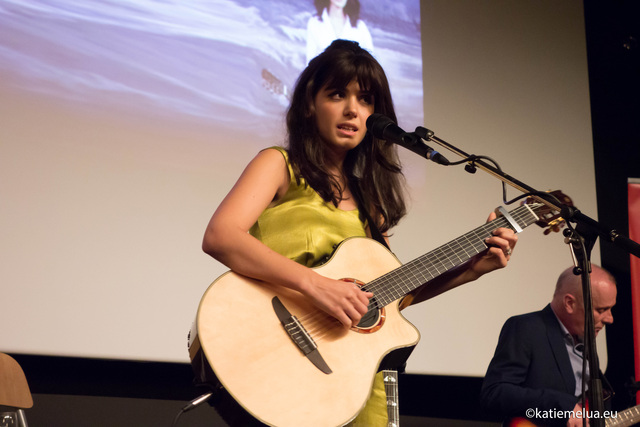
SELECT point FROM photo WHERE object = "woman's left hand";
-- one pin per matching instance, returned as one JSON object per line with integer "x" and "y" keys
{"x": 501, "y": 245}
{"x": 500, "y": 248}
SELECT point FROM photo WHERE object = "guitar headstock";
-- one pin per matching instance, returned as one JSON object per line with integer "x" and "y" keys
{"x": 549, "y": 213}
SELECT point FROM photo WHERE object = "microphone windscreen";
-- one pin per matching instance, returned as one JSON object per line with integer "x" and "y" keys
{"x": 377, "y": 123}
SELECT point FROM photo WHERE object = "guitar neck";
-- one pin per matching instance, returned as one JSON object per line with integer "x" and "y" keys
{"x": 401, "y": 281}
{"x": 391, "y": 390}
{"x": 625, "y": 418}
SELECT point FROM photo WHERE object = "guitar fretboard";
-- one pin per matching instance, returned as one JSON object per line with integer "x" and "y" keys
{"x": 410, "y": 276}
{"x": 625, "y": 418}
{"x": 391, "y": 390}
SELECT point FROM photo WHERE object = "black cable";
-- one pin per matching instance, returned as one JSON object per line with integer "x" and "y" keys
{"x": 191, "y": 405}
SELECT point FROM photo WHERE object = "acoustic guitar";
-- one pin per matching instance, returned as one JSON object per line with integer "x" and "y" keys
{"x": 290, "y": 364}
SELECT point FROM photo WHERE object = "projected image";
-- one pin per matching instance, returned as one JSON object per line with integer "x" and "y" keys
{"x": 232, "y": 63}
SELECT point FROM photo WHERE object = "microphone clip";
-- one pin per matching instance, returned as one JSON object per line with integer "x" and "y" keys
{"x": 384, "y": 128}
{"x": 416, "y": 142}
{"x": 425, "y": 135}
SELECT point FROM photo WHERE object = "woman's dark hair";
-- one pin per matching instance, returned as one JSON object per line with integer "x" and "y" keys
{"x": 372, "y": 169}
{"x": 351, "y": 9}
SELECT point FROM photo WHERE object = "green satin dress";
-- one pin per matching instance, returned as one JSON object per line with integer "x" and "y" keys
{"x": 306, "y": 229}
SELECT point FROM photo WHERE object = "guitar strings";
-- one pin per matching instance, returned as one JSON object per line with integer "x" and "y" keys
{"x": 410, "y": 276}
{"x": 318, "y": 323}
{"x": 399, "y": 282}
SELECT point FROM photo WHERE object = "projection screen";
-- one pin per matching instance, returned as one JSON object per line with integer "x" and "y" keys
{"x": 124, "y": 123}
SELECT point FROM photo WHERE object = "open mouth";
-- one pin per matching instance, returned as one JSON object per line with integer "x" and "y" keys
{"x": 348, "y": 128}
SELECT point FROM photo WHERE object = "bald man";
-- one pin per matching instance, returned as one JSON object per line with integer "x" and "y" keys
{"x": 537, "y": 365}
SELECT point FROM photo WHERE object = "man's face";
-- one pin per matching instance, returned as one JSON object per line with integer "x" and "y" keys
{"x": 603, "y": 296}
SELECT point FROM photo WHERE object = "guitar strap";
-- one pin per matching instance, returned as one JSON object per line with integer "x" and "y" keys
{"x": 373, "y": 227}
{"x": 375, "y": 233}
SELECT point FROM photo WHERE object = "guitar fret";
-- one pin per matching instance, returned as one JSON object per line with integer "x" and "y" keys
{"x": 456, "y": 253}
{"x": 421, "y": 270}
{"x": 391, "y": 390}
{"x": 625, "y": 418}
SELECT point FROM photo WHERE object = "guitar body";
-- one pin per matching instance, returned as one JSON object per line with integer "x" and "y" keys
{"x": 258, "y": 363}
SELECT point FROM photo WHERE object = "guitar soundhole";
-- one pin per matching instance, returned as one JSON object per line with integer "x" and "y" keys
{"x": 373, "y": 318}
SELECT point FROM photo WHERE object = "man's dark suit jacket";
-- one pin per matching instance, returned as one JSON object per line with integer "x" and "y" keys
{"x": 530, "y": 369}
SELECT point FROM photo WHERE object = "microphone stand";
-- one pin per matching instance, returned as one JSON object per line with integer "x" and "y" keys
{"x": 581, "y": 242}
{"x": 581, "y": 238}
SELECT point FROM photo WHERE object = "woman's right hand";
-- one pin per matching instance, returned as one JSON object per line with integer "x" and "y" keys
{"x": 227, "y": 239}
{"x": 343, "y": 300}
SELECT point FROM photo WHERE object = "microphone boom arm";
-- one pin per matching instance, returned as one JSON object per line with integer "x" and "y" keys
{"x": 569, "y": 214}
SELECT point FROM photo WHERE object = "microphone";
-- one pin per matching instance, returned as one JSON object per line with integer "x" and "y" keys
{"x": 382, "y": 127}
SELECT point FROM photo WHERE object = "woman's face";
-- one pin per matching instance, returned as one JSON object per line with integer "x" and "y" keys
{"x": 341, "y": 115}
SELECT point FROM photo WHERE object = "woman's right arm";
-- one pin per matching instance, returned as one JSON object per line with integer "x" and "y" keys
{"x": 226, "y": 239}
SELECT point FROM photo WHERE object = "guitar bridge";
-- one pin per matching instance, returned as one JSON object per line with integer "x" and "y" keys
{"x": 299, "y": 335}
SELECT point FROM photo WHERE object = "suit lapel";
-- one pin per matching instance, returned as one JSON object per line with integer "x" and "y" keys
{"x": 559, "y": 349}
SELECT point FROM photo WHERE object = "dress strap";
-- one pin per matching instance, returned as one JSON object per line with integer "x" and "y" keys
{"x": 284, "y": 153}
